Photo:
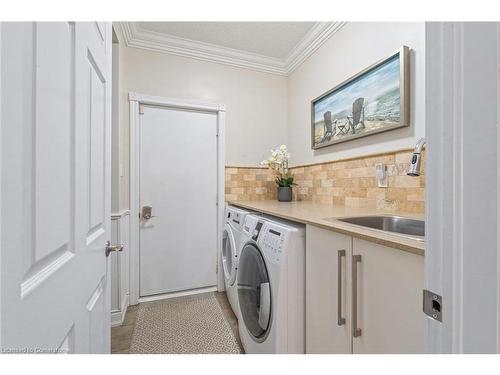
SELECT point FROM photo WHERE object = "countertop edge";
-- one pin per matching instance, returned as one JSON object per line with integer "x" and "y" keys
{"x": 349, "y": 229}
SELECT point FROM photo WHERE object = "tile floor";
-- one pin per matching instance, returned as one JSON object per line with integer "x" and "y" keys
{"x": 121, "y": 336}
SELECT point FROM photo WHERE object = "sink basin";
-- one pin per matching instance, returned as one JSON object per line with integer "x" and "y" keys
{"x": 394, "y": 224}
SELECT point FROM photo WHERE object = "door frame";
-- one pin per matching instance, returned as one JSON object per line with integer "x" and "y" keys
{"x": 1, "y": 299}
{"x": 135, "y": 101}
{"x": 462, "y": 213}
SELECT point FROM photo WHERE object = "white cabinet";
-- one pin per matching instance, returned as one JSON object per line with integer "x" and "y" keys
{"x": 385, "y": 317}
{"x": 389, "y": 303}
{"x": 328, "y": 326}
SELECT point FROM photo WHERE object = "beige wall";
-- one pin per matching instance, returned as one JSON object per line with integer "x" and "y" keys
{"x": 256, "y": 103}
{"x": 356, "y": 46}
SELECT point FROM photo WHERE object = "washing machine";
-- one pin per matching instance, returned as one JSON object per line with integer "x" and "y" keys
{"x": 271, "y": 286}
{"x": 231, "y": 241}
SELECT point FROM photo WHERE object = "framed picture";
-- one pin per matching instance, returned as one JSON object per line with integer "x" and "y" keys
{"x": 373, "y": 101}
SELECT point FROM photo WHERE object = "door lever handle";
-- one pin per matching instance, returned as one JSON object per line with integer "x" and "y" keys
{"x": 111, "y": 248}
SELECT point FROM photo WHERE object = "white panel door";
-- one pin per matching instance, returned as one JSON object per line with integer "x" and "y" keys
{"x": 178, "y": 179}
{"x": 55, "y": 186}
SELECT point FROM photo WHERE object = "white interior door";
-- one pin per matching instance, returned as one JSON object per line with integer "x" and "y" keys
{"x": 55, "y": 186}
{"x": 462, "y": 252}
{"x": 178, "y": 179}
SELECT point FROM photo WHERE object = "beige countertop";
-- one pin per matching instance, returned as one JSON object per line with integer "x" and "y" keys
{"x": 315, "y": 213}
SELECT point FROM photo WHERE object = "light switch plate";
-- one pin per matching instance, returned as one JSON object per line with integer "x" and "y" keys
{"x": 381, "y": 175}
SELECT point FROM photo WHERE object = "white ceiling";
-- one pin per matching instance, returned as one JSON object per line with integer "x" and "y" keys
{"x": 272, "y": 39}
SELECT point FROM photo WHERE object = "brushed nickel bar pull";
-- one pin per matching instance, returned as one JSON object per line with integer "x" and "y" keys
{"x": 356, "y": 332}
{"x": 340, "y": 320}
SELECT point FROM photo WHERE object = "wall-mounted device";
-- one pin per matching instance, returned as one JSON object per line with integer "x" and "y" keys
{"x": 381, "y": 174}
{"x": 414, "y": 166}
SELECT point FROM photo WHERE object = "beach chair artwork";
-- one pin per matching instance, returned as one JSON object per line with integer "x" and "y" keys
{"x": 373, "y": 101}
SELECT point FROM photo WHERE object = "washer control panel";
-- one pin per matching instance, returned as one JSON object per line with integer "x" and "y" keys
{"x": 250, "y": 225}
{"x": 273, "y": 241}
{"x": 235, "y": 217}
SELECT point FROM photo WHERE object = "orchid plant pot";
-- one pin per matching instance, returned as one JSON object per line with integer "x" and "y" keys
{"x": 284, "y": 193}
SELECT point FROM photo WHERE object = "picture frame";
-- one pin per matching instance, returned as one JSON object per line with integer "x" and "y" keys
{"x": 373, "y": 101}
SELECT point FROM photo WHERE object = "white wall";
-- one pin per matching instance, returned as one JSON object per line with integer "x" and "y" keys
{"x": 256, "y": 102}
{"x": 356, "y": 46}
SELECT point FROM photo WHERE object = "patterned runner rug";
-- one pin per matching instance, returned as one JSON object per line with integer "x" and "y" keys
{"x": 184, "y": 325}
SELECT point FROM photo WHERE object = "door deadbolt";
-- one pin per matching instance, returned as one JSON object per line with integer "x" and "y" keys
{"x": 146, "y": 212}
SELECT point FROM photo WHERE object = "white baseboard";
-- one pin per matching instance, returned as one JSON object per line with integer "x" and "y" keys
{"x": 118, "y": 316}
{"x": 158, "y": 297}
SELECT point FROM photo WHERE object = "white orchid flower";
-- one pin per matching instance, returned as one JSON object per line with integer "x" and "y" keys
{"x": 278, "y": 161}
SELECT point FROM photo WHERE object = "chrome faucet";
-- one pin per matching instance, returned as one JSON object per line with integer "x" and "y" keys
{"x": 414, "y": 166}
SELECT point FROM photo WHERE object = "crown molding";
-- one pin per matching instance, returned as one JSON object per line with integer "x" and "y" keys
{"x": 159, "y": 42}
{"x": 315, "y": 38}
{"x": 136, "y": 37}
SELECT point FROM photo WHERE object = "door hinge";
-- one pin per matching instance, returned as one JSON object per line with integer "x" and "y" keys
{"x": 433, "y": 305}
{"x": 141, "y": 109}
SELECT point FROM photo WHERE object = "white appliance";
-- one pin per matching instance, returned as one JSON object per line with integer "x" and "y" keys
{"x": 231, "y": 245}
{"x": 271, "y": 286}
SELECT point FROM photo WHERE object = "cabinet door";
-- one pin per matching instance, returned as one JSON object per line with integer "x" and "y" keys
{"x": 389, "y": 299}
{"x": 328, "y": 328}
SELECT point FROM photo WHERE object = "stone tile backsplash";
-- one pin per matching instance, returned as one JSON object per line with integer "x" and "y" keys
{"x": 249, "y": 184}
{"x": 349, "y": 182}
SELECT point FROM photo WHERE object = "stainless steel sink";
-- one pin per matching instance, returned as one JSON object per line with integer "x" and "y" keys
{"x": 395, "y": 224}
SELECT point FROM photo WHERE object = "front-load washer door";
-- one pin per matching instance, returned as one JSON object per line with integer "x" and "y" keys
{"x": 229, "y": 251}
{"x": 254, "y": 292}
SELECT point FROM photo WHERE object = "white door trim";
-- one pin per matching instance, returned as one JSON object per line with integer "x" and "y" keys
{"x": 461, "y": 187}
{"x": 498, "y": 185}
{"x": 1, "y": 25}
{"x": 135, "y": 100}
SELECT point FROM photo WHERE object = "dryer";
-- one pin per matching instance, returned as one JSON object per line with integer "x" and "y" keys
{"x": 271, "y": 286}
{"x": 231, "y": 242}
